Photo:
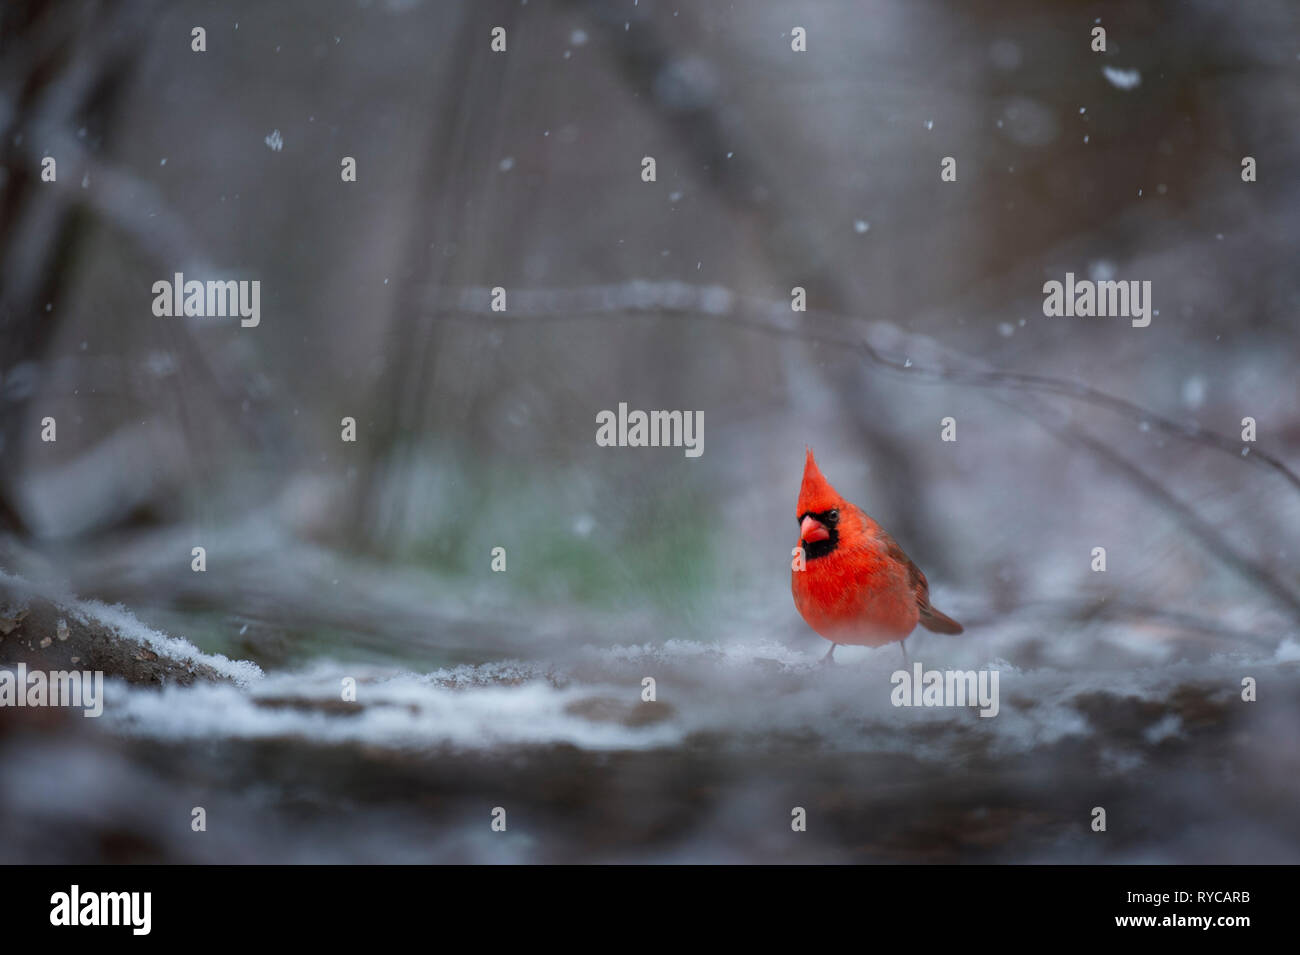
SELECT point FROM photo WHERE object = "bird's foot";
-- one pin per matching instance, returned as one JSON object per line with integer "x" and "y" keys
{"x": 829, "y": 659}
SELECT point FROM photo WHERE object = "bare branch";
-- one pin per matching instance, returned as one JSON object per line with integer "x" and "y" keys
{"x": 716, "y": 303}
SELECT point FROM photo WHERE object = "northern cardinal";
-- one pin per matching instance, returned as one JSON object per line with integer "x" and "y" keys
{"x": 857, "y": 585}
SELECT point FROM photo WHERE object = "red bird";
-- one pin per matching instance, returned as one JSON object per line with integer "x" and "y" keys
{"x": 857, "y": 585}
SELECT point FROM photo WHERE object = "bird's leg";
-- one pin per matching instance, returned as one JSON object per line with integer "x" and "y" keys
{"x": 902, "y": 645}
{"x": 830, "y": 658}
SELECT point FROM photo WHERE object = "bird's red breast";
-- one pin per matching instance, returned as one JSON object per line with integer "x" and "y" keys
{"x": 857, "y": 585}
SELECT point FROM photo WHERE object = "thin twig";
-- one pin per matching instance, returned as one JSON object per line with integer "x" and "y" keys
{"x": 1252, "y": 571}
{"x": 714, "y": 303}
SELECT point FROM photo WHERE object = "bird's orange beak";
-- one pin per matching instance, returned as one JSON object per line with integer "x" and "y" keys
{"x": 812, "y": 530}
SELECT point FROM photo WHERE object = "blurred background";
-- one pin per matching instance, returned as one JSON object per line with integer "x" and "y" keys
{"x": 476, "y": 429}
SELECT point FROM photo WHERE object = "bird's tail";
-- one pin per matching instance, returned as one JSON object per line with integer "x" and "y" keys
{"x": 938, "y": 622}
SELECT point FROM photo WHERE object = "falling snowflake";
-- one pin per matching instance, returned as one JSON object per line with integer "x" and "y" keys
{"x": 1122, "y": 79}
{"x": 275, "y": 141}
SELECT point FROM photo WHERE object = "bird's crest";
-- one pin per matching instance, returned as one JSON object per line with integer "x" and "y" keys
{"x": 815, "y": 494}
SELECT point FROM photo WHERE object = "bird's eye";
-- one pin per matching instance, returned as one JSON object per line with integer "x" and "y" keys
{"x": 833, "y": 516}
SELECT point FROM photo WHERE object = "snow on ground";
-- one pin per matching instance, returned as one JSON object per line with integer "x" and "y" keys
{"x": 750, "y": 693}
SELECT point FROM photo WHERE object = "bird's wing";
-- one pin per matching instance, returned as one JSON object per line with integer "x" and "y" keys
{"x": 915, "y": 578}
{"x": 930, "y": 618}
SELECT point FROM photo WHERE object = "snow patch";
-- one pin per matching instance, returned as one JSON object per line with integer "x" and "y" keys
{"x": 122, "y": 622}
